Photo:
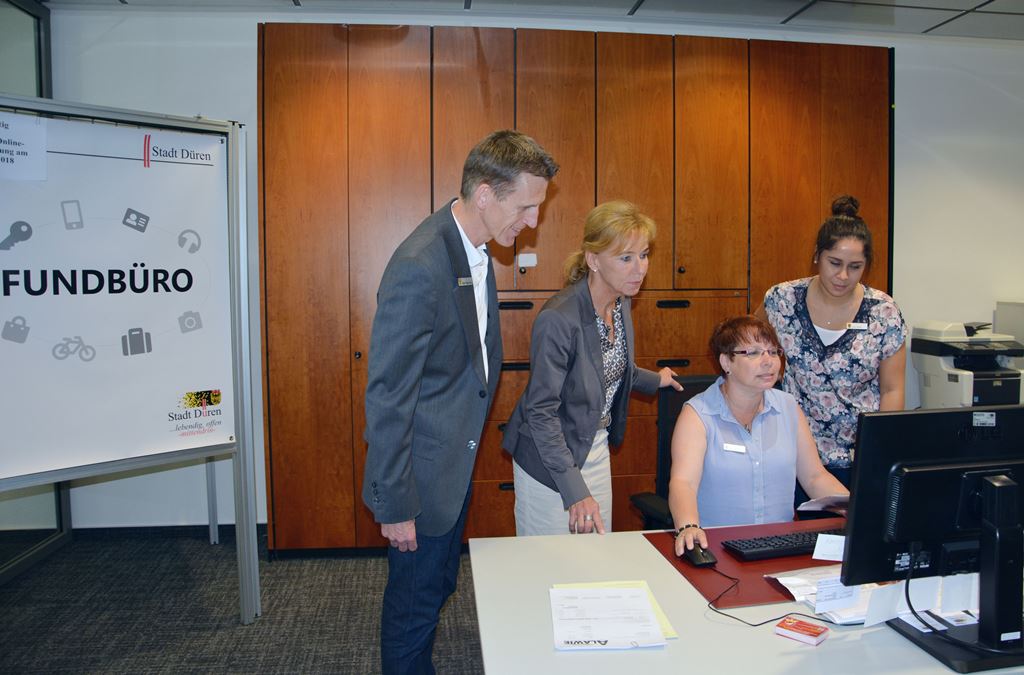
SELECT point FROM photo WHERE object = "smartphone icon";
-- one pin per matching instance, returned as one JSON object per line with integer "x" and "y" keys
{"x": 72, "y": 214}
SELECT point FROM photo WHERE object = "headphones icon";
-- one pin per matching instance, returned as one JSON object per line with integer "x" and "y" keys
{"x": 185, "y": 236}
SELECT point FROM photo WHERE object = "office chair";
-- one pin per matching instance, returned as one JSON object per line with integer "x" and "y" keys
{"x": 654, "y": 505}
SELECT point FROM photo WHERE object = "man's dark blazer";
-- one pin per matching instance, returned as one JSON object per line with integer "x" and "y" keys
{"x": 427, "y": 397}
{"x": 553, "y": 426}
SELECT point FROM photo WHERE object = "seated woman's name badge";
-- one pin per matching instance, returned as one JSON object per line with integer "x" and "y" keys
{"x": 734, "y": 447}
{"x": 856, "y": 325}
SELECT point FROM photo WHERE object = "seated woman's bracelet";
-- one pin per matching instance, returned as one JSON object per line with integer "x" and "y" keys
{"x": 687, "y": 526}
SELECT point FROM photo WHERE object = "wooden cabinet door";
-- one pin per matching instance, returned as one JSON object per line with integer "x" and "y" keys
{"x": 555, "y": 105}
{"x": 785, "y": 162}
{"x": 674, "y": 325}
{"x": 303, "y": 114}
{"x": 855, "y": 142}
{"x": 389, "y": 152}
{"x": 712, "y": 163}
{"x": 474, "y": 94}
{"x": 634, "y": 135}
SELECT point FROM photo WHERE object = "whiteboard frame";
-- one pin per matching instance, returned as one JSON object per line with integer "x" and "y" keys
{"x": 241, "y": 451}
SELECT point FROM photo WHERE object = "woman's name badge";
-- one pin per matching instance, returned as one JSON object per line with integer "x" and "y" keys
{"x": 856, "y": 325}
{"x": 733, "y": 447}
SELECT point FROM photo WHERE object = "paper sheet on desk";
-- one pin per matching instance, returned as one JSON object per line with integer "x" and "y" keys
{"x": 837, "y": 503}
{"x": 666, "y": 628}
{"x": 603, "y": 618}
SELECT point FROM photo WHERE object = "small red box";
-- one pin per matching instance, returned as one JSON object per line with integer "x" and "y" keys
{"x": 803, "y": 631}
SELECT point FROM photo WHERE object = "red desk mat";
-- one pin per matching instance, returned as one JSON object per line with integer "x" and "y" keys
{"x": 753, "y": 588}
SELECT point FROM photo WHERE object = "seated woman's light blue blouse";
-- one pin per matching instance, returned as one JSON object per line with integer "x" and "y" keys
{"x": 749, "y": 477}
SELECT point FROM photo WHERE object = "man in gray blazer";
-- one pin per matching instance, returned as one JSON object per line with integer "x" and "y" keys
{"x": 435, "y": 359}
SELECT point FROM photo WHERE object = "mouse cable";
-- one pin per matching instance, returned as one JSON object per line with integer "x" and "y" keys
{"x": 734, "y": 584}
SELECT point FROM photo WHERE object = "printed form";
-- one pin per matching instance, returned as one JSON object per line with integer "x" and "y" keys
{"x": 603, "y": 618}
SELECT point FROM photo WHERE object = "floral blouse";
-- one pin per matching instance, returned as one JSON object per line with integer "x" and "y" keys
{"x": 613, "y": 355}
{"x": 834, "y": 383}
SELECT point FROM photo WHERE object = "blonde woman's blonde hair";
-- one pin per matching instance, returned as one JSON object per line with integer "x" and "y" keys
{"x": 608, "y": 226}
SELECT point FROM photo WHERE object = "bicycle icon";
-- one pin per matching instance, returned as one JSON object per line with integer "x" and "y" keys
{"x": 75, "y": 345}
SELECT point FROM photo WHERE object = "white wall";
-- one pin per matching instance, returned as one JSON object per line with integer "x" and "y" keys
{"x": 959, "y": 147}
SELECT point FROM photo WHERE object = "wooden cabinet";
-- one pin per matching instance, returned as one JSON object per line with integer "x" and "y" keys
{"x": 634, "y": 135}
{"x": 386, "y": 64}
{"x": 734, "y": 147}
{"x": 555, "y": 105}
{"x": 712, "y": 163}
{"x": 856, "y": 146}
{"x": 305, "y": 207}
{"x": 474, "y": 94}
{"x": 819, "y": 123}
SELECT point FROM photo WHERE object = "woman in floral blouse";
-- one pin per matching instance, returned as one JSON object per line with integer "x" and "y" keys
{"x": 844, "y": 341}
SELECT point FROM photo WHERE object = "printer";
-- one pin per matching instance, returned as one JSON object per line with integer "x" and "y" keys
{"x": 962, "y": 365}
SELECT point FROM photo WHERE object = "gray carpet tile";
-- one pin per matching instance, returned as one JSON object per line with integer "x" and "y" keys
{"x": 152, "y": 603}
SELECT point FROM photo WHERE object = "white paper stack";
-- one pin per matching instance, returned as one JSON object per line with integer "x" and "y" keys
{"x": 603, "y": 618}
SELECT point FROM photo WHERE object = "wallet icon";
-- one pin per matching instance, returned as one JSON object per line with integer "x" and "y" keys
{"x": 136, "y": 341}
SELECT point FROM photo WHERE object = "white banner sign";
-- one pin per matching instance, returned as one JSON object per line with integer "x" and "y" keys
{"x": 115, "y": 325}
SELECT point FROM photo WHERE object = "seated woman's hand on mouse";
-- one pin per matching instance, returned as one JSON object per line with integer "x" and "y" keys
{"x": 689, "y": 536}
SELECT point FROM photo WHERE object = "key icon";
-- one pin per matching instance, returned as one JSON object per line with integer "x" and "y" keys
{"x": 20, "y": 231}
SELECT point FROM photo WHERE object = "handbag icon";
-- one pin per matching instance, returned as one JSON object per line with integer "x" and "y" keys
{"x": 15, "y": 330}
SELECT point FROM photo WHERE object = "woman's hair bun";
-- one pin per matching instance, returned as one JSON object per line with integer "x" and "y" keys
{"x": 846, "y": 205}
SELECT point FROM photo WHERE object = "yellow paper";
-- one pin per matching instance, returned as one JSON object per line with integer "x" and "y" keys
{"x": 666, "y": 627}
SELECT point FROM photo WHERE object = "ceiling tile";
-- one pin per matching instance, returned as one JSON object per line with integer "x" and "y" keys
{"x": 858, "y": 16}
{"x": 735, "y": 11}
{"x": 597, "y": 9}
{"x": 1013, "y": 6}
{"x": 983, "y": 25}
{"x": 927, "y": 4}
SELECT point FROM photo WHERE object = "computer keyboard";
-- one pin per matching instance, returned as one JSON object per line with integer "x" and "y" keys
{"x": 776, "y": 546}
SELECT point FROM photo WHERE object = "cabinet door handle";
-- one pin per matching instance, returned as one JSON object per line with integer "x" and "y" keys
{"x": 674, "y": 363}
{"x": 508, "y": 487}
{"x": 682, "y": 270}
{"x": 501, "y": 427}
{"x": 515, "y": 304}
{"x": 515, "y": 365}
{"x": 358, "y": 355}
{"x": 672, "y": 304}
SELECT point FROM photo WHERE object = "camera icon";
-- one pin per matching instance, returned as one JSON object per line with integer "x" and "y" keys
{"x": 190, "y": 321}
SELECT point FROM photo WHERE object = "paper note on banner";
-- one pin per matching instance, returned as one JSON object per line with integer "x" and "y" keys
{"x": 603, "y": 618}
{"x": 22, "y": 147}
{"x": 832, "y": 595}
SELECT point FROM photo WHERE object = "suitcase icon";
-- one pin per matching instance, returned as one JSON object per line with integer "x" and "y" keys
{"x": 136, "y": 341}
{"x": 15, "y": 330}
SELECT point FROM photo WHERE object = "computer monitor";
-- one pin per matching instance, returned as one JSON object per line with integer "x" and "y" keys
{"x": 939, "y": 488}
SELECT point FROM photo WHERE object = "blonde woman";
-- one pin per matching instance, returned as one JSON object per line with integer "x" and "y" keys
{"x": 581, "y": 375}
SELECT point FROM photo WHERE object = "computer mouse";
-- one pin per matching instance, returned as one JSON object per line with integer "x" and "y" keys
{"x": 699, "y": 557}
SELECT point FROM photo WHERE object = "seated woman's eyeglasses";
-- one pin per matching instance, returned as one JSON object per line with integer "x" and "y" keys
{"x": 755, "y": 353}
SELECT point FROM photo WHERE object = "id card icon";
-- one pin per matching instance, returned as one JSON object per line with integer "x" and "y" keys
{"x": 135, "y": 220}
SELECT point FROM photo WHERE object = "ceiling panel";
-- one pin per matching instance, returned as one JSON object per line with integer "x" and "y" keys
{"x": 859, "y": 16}
{"x": 1014, "y": 6}
{"x": 978, "y": 24}
{"x": 997, "y": 19}
{"x": 928, "y": 4}
{"x": 737, "y": 11}
{"x": 591, "y": 8}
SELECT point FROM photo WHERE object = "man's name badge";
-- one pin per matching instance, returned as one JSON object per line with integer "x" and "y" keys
{"x": 465, "y": 281}
{"x": 856, "y": 325}
{"x": 734, "y": 447}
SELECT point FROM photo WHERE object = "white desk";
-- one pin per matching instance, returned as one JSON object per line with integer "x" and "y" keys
{"x": 511, "y": 578}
